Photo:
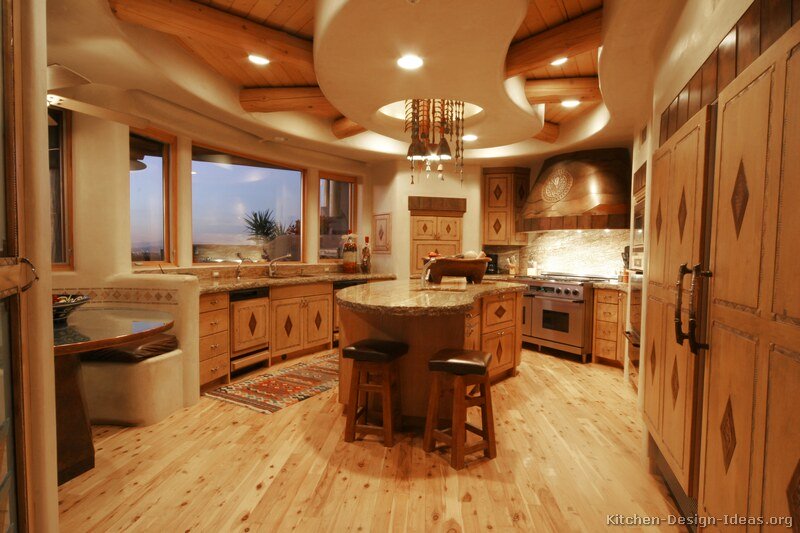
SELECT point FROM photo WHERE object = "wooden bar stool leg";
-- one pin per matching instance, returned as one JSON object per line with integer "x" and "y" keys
{"x": 397, "y": 398}
{"x": 432, "y": 416}
{"x": 386, "y": 399}
{"x": 352, "y": 404}
{"x": 487, "y": 420}
{"x": 459, "y": 434}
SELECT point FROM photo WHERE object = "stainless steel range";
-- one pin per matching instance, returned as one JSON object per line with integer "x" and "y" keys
{"x": 557, "y": 312}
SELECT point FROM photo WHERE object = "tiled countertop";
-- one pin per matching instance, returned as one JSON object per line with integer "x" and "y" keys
{"x": 226, "y": 285}
{"x": 409, "y": 298}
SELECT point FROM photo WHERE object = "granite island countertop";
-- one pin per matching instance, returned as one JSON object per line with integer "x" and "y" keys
{"x": 409, "y": 298}
{"x": 208, "y": 286}
{"x": 611, "y": 285}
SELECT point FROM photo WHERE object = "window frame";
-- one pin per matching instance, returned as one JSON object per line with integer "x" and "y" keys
{"x": 303, "y": 174}
{"x": 352, "y": 180}
{"x": 67, "y": 177}
{"x": 169, "y": 196}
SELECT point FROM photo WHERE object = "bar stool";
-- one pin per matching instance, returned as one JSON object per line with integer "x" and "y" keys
{"x": 467, "y": 368}
{"x": 377, "y": 357}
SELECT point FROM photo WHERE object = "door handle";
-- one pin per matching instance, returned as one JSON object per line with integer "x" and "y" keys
{"x": 694, "y": 345}
{"x": 680, "y": 336}
{"x": 33, "y": 271}
{"x": 523, "y": 316}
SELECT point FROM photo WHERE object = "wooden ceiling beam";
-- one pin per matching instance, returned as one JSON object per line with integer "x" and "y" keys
{"x": 185, "y": 18}
{"x": 343, "y": 127}
{"x": 556, "y": 90}
{"x": 549, "y": 132}
{"x": 276, "y": 99}
{"x": 574, "y": 37}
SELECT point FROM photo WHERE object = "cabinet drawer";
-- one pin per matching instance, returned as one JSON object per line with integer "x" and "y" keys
{"x": 607, "y": 312}
{"x": 605, "y": 296}
{"x": 473, "y": 316}
{"x": 213, "y": 322}
{"x": 498, "y": 311}
{"x": 211, "y": 302}
{"x": 213, "y": 345}
{"x": 605, "y": 330}
{"x": 214, "y": 368}
{"x": 606, "y": 349}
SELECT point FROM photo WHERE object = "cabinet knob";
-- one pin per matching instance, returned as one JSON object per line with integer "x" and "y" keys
{"x": 214, "y": 370}
{"x": 213, "y": 302}
{"x": 213, "y": 323}
{"x": 214, "y": 346}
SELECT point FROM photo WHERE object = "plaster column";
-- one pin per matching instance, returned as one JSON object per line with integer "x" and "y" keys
{"x": 311, "y": 217}
{"x": 183, "y": 189}
{"x": 38, "y": 380}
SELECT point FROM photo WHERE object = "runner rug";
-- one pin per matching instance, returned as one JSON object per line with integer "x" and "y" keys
{"x": 272, "y": 392}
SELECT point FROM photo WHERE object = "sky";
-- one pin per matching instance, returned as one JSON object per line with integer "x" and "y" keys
{"x": 222, "y": 195}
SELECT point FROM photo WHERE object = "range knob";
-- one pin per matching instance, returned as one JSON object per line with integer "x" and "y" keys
{"x": 574, "y": 292}
{"x": 558, "y": 291}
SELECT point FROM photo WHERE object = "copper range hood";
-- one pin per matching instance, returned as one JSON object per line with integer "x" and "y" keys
{"x": 580, "y": 190}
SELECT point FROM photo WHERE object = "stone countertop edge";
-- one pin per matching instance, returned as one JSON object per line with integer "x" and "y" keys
{"x": 611, "y": 285}
{"x": 468, "y": 298}
{"x": 209, "y": 287}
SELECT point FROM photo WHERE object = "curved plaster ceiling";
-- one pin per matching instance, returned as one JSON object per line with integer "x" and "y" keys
{"x": 356, "y": 44}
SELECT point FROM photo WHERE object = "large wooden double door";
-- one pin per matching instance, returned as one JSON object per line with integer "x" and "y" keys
{"x": 677, "y": 229}
{"x": 750, "y": 462}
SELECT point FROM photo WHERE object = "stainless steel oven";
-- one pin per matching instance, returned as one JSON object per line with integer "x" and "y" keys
{"x": 559, "y": 321}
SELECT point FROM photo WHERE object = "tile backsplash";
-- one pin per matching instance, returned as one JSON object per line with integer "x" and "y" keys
{"x": 587, "y": 252}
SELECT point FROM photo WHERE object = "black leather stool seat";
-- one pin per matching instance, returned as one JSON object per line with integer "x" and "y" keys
{"x": 460, "y": 362}
{"x": 375, "y": 351}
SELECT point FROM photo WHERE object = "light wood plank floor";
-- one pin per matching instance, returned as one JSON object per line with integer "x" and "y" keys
{"x": 569, "y": 447}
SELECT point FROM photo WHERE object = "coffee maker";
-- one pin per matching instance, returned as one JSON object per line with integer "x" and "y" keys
{"x": 492, "y": 267}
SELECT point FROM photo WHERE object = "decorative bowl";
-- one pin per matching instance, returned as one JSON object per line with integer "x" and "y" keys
{"x": 64, "y": 305}
{"x": 472, "y": 269}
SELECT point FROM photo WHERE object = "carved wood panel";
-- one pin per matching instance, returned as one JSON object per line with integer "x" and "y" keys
{"x": 496, "y": 230}
{"x": 317, "y": 320}
{"x": 497, "y": 193}
{"x": 659, "y": 210}
{"x": 653, "y": 366}
{"x": 287, "y": 325}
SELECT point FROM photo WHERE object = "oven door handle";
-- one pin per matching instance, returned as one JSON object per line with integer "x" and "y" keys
{"x": 559, "y": 299}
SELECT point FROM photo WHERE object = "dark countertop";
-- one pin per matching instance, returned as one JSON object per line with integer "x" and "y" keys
{"x": 408, "y": 297}
{"x": 208, "y": 286}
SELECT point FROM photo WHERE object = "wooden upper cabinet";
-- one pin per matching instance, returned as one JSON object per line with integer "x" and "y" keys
{"x": 422, "y": 248}
{"x": 448, "y": 228}
{"x": 424, "y": 227}
{"x": 505, "y": 192}
{"x": 497, "y": 191}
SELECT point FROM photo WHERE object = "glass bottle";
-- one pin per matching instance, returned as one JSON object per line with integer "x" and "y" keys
{"x": 366, "y": 257}
{"x": 350, "y": 254}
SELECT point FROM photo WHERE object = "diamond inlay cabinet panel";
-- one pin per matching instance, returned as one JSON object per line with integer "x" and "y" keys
{"x": 659, "y": 208}
{"x": 250, "y": 325}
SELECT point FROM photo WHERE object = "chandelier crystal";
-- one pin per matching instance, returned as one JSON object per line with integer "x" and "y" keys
{"x": 436, "y": 127}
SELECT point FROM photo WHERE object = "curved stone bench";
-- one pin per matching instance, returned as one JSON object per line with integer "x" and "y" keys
{"x": 136, "y": 384}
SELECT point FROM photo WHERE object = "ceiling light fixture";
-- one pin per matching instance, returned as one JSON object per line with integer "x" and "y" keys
{"x": 469, "y": 137}
{"x": 571, "y": 103}
{"x": 258, "y": 60}
{"x": 435, "y": 124}
{"x": 558, "y": 62}
{"x": 410, "y": 62}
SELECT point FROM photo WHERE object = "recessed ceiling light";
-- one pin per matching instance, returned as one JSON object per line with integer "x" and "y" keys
{"x": 570, "y": 103}
{"x": 558, "y": 62}
{"x": 470, "y": 137}
{"x": 258, "y": 60}
{"x": 410, "y": 62}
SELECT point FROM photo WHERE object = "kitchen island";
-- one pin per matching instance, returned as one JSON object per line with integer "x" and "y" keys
{"x": 430, "y": 318}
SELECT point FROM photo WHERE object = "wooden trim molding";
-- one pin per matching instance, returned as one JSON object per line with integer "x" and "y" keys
{"x": 277, "y": 99}
{"x": 343, "y": 127}
{"x": 437, "y": 205}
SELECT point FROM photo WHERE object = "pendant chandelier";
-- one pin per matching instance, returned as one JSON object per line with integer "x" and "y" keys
{"x": 436, "y": 127}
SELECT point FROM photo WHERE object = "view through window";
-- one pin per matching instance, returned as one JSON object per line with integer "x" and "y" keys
{"x": 243, "y": 209}
{"x": 57, "y": 145}
{"x": 336, "y": 208}
{"x": 148, "y": 164}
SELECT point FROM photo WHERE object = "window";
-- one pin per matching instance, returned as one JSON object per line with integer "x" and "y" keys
{"x": 244, "y": 209}
{"x": 60, "y": 185}
{"x": 336, "y": 214}
{"x": 149, "y": 164}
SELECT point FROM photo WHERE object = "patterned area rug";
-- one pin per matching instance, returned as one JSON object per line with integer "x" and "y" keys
{"x": 274, "y": 391}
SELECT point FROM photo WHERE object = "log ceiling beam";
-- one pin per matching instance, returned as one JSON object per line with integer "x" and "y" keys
{"x": 343, "y": 127}
{"x": 188, "y": 19}
{"x": 549, "y": 132}
{"x": 574, "y": 37}
{"x": 276, "y": 99}
{"x": 557, "y": 90}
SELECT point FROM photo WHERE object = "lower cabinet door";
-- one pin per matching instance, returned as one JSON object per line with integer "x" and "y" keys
{"x": 653, "y": 356}
{"x": 501, "y": 345}
{"x": 318, "y": 320}
{"x": 472, "y": 335}
{"x": 250, "y": 320}
{"x": 287, "y": 325}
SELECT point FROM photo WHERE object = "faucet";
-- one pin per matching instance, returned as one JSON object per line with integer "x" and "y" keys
{"x": 239, "y": 266}
{"x": 425, "y": 269}
{"x": 271, "y": 269}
